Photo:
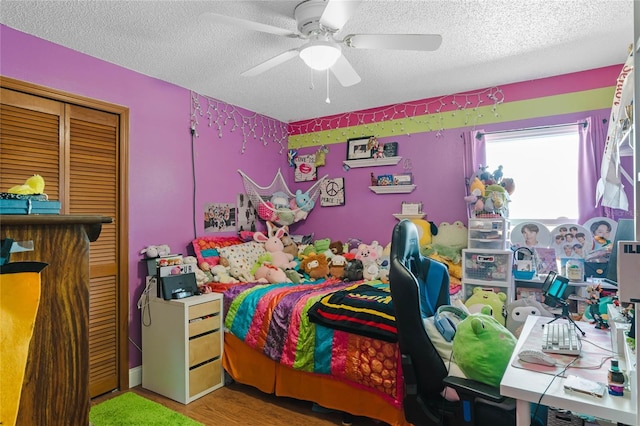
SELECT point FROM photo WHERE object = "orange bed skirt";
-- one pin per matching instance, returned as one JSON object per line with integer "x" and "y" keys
{"x": 250, "y": 367}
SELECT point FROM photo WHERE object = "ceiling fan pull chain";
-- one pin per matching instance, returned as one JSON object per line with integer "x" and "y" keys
{"x": 328, "y": 100}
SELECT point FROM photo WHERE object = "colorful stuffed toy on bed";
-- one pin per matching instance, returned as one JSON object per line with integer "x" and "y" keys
{"x": 273, "y": 319}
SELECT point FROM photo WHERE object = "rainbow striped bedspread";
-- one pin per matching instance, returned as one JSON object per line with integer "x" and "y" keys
{"x": 273, "y": 319}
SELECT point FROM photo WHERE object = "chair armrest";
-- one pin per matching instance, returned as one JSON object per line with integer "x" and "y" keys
{"x": 472, "y": 388}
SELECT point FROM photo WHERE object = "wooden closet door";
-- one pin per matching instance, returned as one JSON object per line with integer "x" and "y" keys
{"x": 92, "y": 186}
{"x": 77, "y": 151}
{"x": 31, "y": 129}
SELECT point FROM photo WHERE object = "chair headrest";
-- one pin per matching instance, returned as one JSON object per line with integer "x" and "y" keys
{"x": 405, "y": 242}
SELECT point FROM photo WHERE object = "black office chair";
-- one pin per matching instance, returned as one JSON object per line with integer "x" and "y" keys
{"x": 419, "y": 285}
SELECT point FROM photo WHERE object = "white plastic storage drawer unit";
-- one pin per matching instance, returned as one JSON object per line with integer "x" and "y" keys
{"x": 492, "y": 234}
{"x": 492, "y": 267}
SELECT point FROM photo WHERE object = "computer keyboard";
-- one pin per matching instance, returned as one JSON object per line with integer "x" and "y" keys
{"x": 561, "y": 338}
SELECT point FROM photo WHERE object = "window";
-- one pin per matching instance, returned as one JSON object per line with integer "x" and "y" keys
{"x": 544, "y": 166}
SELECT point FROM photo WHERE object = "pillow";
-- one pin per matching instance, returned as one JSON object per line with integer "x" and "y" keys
{"x": 482, "y": 348}
{"x": 444, "y": 348}
{"x": 242, "y": 257}
{"x": 206, "y": 248}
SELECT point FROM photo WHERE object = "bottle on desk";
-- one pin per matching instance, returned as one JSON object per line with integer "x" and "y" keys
{"x": 615, "y": 379}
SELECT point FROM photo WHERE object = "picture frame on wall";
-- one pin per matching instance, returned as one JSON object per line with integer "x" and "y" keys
{"x": 332, "y": 192}
{"x": 306, "y": 169}
{"x": 358, "y": 148}
{"x": 403, "y": 179}
{"x": 390, "y": 149}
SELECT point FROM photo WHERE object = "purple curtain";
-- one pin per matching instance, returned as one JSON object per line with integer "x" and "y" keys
{"x": 592, "y": 140}
{"x": 475, "y": 155}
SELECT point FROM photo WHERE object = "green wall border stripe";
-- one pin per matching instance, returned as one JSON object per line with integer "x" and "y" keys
{"x": 567, "y": 103}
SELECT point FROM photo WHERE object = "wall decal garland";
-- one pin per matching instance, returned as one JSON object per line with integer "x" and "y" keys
{"x": 427, "y": 114}
{"x": 402, "y": 118}
{"x": 251, "y": 124}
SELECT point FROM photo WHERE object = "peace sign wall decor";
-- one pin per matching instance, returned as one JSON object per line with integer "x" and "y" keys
{"x": 332, "y": 192}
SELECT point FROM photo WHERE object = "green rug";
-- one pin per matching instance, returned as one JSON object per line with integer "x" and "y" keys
{"x": 132, "y": 409}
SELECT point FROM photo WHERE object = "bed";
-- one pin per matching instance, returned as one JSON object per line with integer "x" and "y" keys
{"x": 330, "y": 342}
{"x": 272, "y": 344}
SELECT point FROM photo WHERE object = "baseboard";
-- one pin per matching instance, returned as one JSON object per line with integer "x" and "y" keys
{"x": 135, "y": 376}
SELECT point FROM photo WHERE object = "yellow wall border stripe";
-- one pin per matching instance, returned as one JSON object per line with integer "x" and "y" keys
{"x": 567, "y": 103}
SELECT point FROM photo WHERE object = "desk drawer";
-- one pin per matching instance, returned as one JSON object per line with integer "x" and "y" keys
{"x": 204, "y": 348}
{"x": 205, "y": 377}
{"x": 200, "y": 326}
{"x": 204, "y": 309}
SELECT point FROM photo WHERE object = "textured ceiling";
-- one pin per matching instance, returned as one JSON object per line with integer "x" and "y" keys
{"x": 485, "y": 43}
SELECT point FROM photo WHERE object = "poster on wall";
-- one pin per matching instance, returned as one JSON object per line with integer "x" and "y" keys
{"x": 305, "y": 168}
{"x": 219, "y": 217}
{"x": 246, "y": 220}
{"x": 332, "y": 192}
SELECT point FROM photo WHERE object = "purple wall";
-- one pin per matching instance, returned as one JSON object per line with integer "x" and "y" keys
{"x": 160, "y": 181}
{"x": 160, "y": 171}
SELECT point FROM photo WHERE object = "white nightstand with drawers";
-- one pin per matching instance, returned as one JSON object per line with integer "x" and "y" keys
{"x": 182, "y": 343}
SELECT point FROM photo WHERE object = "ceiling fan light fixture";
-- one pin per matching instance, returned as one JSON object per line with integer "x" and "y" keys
{"x": 320, "y": 55}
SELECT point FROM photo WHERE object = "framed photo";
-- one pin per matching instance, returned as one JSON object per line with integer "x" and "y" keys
{"x": 390, "y": 149}
{"x": 385, "y": 180}
{"x": 332, "y": 192}
{"x": 358, "y": 148}
{"x": 403, "y": 179}
{"x": 305, "y": 168}
{"x": 411, "y": 208}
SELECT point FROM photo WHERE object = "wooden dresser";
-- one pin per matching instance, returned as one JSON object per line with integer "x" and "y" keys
{"x": 55, "y": 390}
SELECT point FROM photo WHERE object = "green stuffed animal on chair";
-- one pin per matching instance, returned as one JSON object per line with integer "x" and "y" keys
{"x": 482, "y": 348}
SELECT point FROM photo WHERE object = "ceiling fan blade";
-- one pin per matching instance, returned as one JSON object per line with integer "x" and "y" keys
{"x": 338, "y": 12}
{"x": 250, "y": 25}
{"x": 424, "y": 42}
{"x": 344, "y": 72}
{"x": 270, "y": 63}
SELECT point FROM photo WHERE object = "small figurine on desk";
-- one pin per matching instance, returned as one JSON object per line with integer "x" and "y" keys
{"x": 594, "y": 306}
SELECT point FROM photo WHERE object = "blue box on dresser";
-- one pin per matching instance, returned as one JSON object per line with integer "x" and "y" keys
{"x": 29, "y": 206}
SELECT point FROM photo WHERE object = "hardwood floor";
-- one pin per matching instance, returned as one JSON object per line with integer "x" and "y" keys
{"x": 237, "y": 404}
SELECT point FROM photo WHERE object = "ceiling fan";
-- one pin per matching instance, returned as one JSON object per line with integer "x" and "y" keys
{"x": 318, "y": 22}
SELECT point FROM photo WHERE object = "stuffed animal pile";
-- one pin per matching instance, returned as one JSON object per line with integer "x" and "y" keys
{"x": 489, "y": 193}
{"x": 285, "y": 210}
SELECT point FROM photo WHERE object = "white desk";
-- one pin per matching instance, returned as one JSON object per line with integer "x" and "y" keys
{"x": 526, "y": 386}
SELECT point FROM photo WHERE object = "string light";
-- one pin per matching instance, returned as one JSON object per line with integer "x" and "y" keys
{"x": 428, "y": 114}
{"x": 425, "y": 113}
{"x": 252, "y": 125}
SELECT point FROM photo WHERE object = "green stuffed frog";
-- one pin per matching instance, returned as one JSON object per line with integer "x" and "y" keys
{"x": 482, "y": 348}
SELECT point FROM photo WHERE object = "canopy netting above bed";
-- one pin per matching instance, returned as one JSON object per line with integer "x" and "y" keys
{"x": 276, "y": 203}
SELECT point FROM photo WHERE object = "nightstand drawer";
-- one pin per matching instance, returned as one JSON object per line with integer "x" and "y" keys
{"x": 204, "y": 377}
{"x": 204, "y": 348}
{"x": 204, "y": 309}
{"x": 204, "y": 325}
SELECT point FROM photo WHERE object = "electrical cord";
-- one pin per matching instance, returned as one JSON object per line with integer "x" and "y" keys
{"x": 143, "y": 301}
{"x": 559, "y": 374}
{"x": 193, "y": 176}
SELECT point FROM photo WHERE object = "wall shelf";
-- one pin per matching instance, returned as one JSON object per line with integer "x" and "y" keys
{"x": 393, "y": 189}
{"x": 372, "y": 162}
{"x": 401, "y": 216}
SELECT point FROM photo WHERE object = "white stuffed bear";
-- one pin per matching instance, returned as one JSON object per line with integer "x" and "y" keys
{"x": 221, "y": 275}
{"x": 151, "y": 252}
{"x": 201, "y": 277}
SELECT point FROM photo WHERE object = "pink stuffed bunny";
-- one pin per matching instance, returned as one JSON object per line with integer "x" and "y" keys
{"x": 271, "y": 274}
{"x": 274, "y": 246}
